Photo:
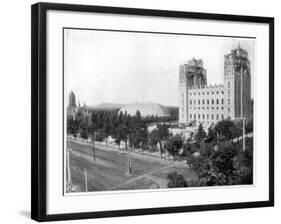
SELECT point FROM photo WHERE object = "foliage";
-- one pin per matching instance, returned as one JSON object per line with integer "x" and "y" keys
{"x": 72, "y": 127}
{"x": 249, "y": 126}
{"x": 201, "y": 134}
{"x": 176, "y": 180}
{"x": 226, "y": 166}
{"x": 174, "y": 144}
{"x": 228, "y": 129}
{"x": 211, "y": 133}
{"x": 159, "y": 136}
{"x": 84, "y": 131}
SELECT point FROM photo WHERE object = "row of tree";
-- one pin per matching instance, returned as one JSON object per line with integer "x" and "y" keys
{"x": 132, "y": 130}
{"x": 122, "y": 127}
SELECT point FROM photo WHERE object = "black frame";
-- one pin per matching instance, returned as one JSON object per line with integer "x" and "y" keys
{"x": 38, "y": 110}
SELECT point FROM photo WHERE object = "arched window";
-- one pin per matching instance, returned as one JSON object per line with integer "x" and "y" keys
{"x": 198, "y": 102}
{"x": 212, "y": 101}
{"x": 217, "y": 116}
{"x": 208, "y": 102}
{"x": 218, "y": 101}
{"x": 228, "y": 85}
{"x": 222, "y": 101}
{"x": 203, "y": 101}
{"x": 190, "y": 102}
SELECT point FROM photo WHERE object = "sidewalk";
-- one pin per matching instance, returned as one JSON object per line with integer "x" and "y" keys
{"x": 136, "y": 152}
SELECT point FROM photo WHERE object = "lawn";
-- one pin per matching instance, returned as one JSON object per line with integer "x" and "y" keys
{"x": 109, "y": 171}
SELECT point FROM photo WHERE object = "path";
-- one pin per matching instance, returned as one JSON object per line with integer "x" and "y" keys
{"x": 160, "y": 182}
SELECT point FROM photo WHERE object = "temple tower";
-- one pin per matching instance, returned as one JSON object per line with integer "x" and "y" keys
{"x": 237, "y": 82}
{"x": 71, "y": 99}
{"x": 192, "y": 75}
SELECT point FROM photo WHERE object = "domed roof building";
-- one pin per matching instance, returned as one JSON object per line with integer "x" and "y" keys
{"x": 146, "y": 109}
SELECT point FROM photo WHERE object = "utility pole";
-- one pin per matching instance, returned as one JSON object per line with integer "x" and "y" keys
{"x": 244, "y": 148}
{"x": 241, "y": 94}
{"x": 94, "y": 149}
{"x": 129, "y": 161}
{"x": 86, "y": 180}
{"x": 217, "y": 145}
{"x": 68, "y": 169}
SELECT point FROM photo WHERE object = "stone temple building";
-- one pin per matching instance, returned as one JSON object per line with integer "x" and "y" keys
{"x": 207, "y": 104}
{"x": 75, "y": 112}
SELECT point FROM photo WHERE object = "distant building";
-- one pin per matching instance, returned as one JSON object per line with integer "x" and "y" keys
{"x": 205, "y": 104}
{"x": 146, "y": 109}
{"x": 77, "y": 112}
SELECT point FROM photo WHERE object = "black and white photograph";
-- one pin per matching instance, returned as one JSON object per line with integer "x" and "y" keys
{"x": 152, "y": 111}
{"x": 138, "y": 111}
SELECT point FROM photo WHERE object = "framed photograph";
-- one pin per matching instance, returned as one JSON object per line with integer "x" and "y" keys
{"x": 139, "y": 111}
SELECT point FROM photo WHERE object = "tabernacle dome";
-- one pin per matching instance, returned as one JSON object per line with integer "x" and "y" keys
{"x": 146, "y": 109}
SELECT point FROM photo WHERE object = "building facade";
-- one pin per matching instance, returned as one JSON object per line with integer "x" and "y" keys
{"x": 80, "y": 113}
{"x": 207, "y": 104}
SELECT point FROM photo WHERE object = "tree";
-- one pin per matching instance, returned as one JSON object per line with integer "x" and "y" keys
{"x": 249, "y": 126}
{"x": 243, "y": 163}
{"x": 127, "y": 123}
{"x": 84, "y": 132}
{"x": 227, "y": 166}
{"x": 211, "y": 133}
{"x": 201, "y": 134}
{"x": 100, "y": 136}
{"x": 176, "y": 180}
{"x": 120, "y": 134}
{"x": 174, "y": 144}
{"x": 228, "y": 129}
{"x": 135, "y": 129}
{"x": 153, "y": 138}
{"x": 79, "y": 117}
{"x": 159, "y": 136}
{"x": 72, "y": 127}
{"x": 163, "y": 134}
{"x": 106, "y": 128}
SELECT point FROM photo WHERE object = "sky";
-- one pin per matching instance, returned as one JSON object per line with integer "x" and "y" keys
{"x": 127, "y": 67}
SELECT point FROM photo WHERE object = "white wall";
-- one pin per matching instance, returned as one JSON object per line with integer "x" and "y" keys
{"x": 15, "y": 110}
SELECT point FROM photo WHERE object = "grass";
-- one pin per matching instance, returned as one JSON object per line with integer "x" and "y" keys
{"x": 110, "y": 170}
